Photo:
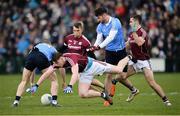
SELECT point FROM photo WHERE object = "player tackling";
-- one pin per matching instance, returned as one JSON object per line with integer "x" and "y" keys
{"x": 138, "y": 44}
{"x": 88, "y": 68}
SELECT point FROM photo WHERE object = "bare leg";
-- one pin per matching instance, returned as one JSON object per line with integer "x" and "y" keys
{"x": 95, "y": 88}
{"x": 123, "y": 79}
{"x": 54, "y": 89}
{"x": 32, "y": 77}
{"x": 97, "y": 83}
{"x": 108, "y": 83}
{"x": 54, "y": 84}
{"x": 126, "y": 82}
{"x": 152, "y": 83}
{"x": 124, "y": 76}
{"x": 86, "y": 92}
{"x": 122, "y": 63}
{"x": 156, "y": 87}
{"x": 116, "y": 69}
{"x": 25, "y": 77}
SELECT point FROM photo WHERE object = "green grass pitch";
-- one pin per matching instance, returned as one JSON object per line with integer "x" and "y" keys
{"x": 146, "y": 103}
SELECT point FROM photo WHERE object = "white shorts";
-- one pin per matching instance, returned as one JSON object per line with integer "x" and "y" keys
{"x": 140, "y": 65}
{"x": 97, "y": 68}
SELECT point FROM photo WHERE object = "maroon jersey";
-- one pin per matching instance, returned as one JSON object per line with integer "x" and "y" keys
{"x": 73, "y": 58}
{"x": 76, "y": 45}
{"x": 139, "y": 52}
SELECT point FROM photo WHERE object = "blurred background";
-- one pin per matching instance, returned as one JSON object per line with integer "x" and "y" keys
{"x": 24, "y": 23}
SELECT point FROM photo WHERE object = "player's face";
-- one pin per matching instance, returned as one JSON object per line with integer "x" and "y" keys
{"x": 77, "y": 31}
{"x": 131, "y": 22}
{"x": 101, "y": 18}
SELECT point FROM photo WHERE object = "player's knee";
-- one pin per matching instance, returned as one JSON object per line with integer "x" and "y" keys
{"x": 24, "y": 81}
{"x": 123, "y": 78}
{"x": 83, "y": 95}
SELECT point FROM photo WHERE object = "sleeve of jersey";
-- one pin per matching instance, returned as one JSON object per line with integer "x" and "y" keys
{"x": 55, "y": 50}
{"x": 109, "y": 38}
{"x": 115, "y": 25}
{"x": 99, "y": 38}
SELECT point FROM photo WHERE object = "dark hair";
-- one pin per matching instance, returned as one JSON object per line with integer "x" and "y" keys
{"x": 138, "y": 18}
{"x": 101, "y": 10}
{"x": 79, "y": 24}
{"x": 56, "y": 56}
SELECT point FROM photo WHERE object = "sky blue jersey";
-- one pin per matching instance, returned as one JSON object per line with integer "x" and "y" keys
{"x": 47, "y": 50}
{"x": 118, "y": 43}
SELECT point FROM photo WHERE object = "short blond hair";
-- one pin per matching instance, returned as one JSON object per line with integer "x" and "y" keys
{"x": 79, "y": 24}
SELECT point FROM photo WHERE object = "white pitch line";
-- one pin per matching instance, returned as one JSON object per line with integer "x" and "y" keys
{"x": 147, "y": 94}
{"x": 120, "y": 94}
{"x": 12, "y": 97}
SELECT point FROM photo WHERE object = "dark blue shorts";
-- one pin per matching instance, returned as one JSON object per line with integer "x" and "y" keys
{"x": 113, "y": 57}
{"x": 36, "y": 59}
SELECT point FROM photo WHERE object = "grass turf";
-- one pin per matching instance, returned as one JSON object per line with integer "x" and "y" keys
{"x": 146, "y": 103}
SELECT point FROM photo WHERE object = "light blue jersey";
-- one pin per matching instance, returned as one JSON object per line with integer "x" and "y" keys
{"x": 118, "y": 43}
{"x": 47, "y": 50}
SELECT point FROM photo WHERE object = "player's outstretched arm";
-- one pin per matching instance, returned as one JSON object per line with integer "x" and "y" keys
{"x": 63, "y": 76}
{"x": 74, "y": 78}
{"x": 45, "y": 75}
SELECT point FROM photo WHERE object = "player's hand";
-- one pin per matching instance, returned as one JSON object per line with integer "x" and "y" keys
{"x": 68, "y": 89}
{"x": 34, "y": 88}
{"x": 93, "y": 48}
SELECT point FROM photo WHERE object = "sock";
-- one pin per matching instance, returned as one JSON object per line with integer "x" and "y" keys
{"x": 54, "y": 97}
{"x": 114, "y": 81}
{"x": 133, "y": 89}
{"x": 164, "y": 98}
{"x": 103, "y": 95}
{"x": 17, "y": 98}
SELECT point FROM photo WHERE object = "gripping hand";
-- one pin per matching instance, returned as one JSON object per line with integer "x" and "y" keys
{"x": 68, "y": 89}
{"x": 93, "y": 48}
{"x": 34, "y": 88}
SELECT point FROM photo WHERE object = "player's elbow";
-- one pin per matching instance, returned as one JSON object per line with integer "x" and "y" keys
{"x": 140, "y": 42}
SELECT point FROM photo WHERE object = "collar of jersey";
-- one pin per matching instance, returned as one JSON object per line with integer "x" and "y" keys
{"x": 109, "y": 21}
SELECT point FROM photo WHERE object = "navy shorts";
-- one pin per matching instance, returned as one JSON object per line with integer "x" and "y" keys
{"x": 36, "y": 59}
{"x": 113, "y": 57}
